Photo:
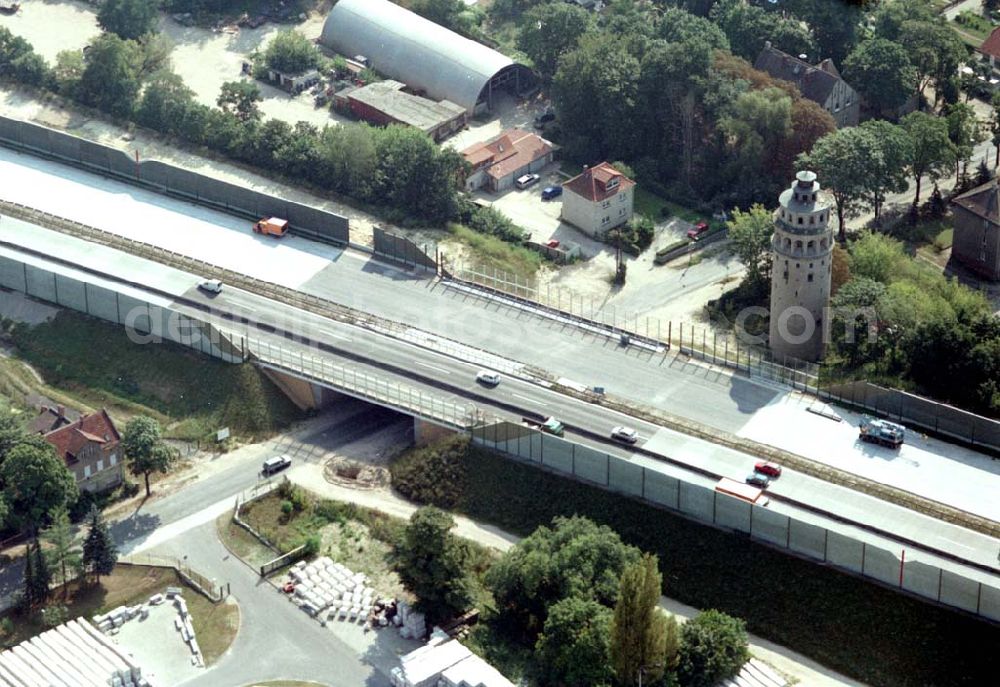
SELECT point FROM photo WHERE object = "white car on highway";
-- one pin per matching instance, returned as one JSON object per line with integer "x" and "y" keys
{"x": 625, "y": 434}
{"x": 488, "y": 378}
{"x": 211, "y": 286}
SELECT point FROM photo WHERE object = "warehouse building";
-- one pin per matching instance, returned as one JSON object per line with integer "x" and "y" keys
{"x": 427, "y": 57}
{"x": 385, "y": 102}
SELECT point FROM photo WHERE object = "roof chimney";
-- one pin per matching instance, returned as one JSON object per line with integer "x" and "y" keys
{"x": 43, "y": 409}
{"x": 767, "y": 44}
{"x": 61, "y": 410}
{"x": 803, "y": 57}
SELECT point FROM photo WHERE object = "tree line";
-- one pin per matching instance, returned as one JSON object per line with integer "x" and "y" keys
{"x": 585, "y": 604}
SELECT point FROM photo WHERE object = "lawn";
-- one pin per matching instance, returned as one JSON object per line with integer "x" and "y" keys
{"x": 656, "y": 207}
{"x": 95, "y": 363}
{"x": 855, "y": 627}
{"x": 215, "y": 625}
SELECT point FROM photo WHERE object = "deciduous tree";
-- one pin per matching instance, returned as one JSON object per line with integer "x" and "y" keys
{"x": 144, "y": 449}
{"x": 36, "y": 483}
{"x": 130, "y": 19}
{"x": 931, "y": 150}
{"x": 291, "y": 53}
{"x": 549, "y": 31}
{"x": 239, "y": 99}
{"x": 841, "y": 161}
{"x": 713, "y": 647}
{"x": 573, "y": 647}
{"x": 886, "y": 170}
{"x": 431, "y": 563}
{"x": 882, "y": 72}
{"x": 109, "y": 80}
{"x": 750, "y": 233}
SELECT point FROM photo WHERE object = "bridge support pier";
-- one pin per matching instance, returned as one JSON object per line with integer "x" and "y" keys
{"x": 305, "y": 395}
{"x": 427, "y": 432}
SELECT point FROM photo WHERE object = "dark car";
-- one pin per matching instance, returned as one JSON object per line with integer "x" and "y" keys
{"x": 543, "y": 119}
{"x": 550, "y": 192}
{"x": 758, "y": 480}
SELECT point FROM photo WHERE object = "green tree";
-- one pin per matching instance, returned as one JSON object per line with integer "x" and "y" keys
{"x": 748, "y": 27}
{"x": 886, "y": 170}
{"x": 755, "y": 126}
{"x": 36, "y": 483}
{"x": 432, "y": 564}
{"x": 165, "y": 103}
{"x": 639, "y": 630}
{"x": 995, "y": 127}
{"x": 594, "y": 91}
{"x": 130, "y": 19}
{"x": 876, "y": 256}
{"x": 750, "y": 233}
{"x": 931, "y": 150}
{"x": 100, "y": 554}
{"x": 36, "y": 577}
{"x": 291, "y": 53}
{"x": 549, "y": 31}
{"x": 151, "y": 55}
{"x": 857, "y": 310}
{"x": 882, "y": 72}
{"x": 144, "y": 449}
{"x": 935, "y": 51}
{"x": 574, "y": 557}
{"x": 965, "y": 134}
{"x": 415, "y": 174}
{"x": 573, "y": 647}
{"x": 713, "y": 647}
{"x": 239, "y": 99}
{"x": 19, "y": 60}
{"x": 68, "y": 72}
{"x": 63, "y": 554}
{"x": 443, "y": 12}
{"x": 109, "y": 80}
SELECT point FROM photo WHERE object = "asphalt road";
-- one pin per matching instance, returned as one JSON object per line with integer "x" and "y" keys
{"x": 639, "y": 374}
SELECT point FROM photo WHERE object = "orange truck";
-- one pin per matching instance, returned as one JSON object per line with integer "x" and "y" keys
{"x": 271, "y": 226}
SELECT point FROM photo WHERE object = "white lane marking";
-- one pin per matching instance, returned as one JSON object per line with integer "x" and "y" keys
{"x": 434, "y": 367}
{"x": 337, "y": 336}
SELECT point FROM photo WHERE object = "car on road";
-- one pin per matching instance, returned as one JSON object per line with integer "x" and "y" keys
{"x": 526, "y": 180}
{"x": 625, "y": 434}
{"x": 211, "y": 286}
{"x": 552, "y": 243}
{"x": 544, "y": 118}
{"x": 488, "y": 378}
{"x": 769, "y": 469}
{"x": 275, "y": 464}
{"x": 550, "y": 192}
{"x": 699, "y": 229}
{"x": 758, "y": 480}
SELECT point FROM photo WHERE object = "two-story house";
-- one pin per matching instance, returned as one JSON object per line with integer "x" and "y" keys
{"x": 499, "y": 161}
{"x": 598, "y": 199}
{"x": 90, "y": 448}
{"x": 820, "y": 83}
{"x": 977, "y": 230}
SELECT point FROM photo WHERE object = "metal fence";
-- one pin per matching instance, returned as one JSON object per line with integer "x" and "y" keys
{"x": 704, "y": 503}
{"x": 209, "y": 588}
{"x": 403, "y": 250}
{"x": 363, "y": 385}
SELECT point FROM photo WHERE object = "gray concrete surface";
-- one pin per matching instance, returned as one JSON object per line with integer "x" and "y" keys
{"x": 158, "y": 646}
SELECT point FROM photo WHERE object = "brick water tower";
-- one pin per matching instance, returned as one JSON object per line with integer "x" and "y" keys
{"x": 800, "y": 277}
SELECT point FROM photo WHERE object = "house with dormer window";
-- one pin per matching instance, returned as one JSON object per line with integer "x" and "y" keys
{"x": 90, "y": 448}
{"x": 598, "y": 200}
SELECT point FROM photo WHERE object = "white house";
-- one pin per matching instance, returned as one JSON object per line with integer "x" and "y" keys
{"x": 598, "y": 199}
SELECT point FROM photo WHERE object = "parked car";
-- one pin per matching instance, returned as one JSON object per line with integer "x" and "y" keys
{"x": 211, "y": 286}
{"x": 554, "y": 243}
{"x": 275, "y": 464}
{"x": 544, "y": 118}
{"x": 699, "y": 229}
{"x": 625, "y": 434}
{"x": 769, "y": 469}
{"x": 527, "y": 180}
{"x": 758, "y": 480}
{"x": 550, "y": 192}
{"x": 488, "y": 378}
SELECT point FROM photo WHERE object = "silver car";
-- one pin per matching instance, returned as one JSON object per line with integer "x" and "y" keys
{"x": 625, "y": 434}
{"x": 488, "y": 378}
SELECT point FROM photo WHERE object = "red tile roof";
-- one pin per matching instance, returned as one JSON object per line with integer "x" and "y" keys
{"x": 94, "y": 428}
{"x": 592, "y": 183}
{"x": 508, "y": 152}
{"x": 991, "y": 46}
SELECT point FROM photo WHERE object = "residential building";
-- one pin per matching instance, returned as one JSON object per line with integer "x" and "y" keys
{"x": 498, "y": 162}
{"x": 598, "y": 199}
{"x": 444, "y": 662}
{"x": 990, "y": 49}
{"x": 977, "y": 230}
{"x": 801, "y": 270}
{"x": 820, "y": 83}
{"x": 90, "y": 448}
{"x": 51, "y": 418}
{"x": 386, "y": 102}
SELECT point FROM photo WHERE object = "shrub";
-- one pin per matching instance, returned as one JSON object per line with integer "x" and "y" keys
{"x": 312, "y": 544}
{"x": 285, "y": 488}
{"x": 287, "y": 508}
{"x": 332, "y": 511}
{"x": 299, "y": 499}
{"x": 433, "y": 474}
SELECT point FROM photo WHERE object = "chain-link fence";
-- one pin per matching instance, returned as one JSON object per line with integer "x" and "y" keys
{"x": 209, "y": 588}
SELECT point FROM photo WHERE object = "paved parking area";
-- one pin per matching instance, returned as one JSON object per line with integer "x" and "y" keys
{"x": 158, "y": 647}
